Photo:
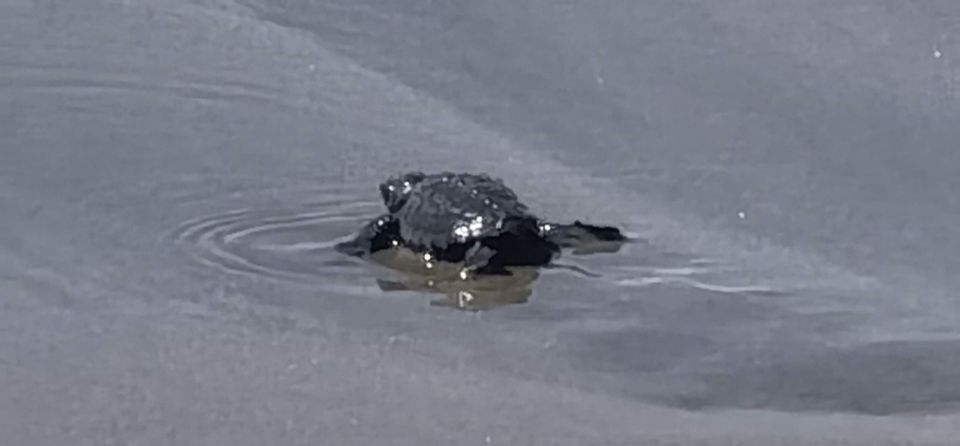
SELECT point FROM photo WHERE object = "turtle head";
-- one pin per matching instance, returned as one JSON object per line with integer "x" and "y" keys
{"x": 396, "y": 190}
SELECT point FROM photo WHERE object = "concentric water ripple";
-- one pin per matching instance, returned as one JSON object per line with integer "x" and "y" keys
{"x": 283, "y": 243}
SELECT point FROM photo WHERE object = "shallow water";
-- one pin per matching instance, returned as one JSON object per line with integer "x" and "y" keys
{"x": 174, "y": 175}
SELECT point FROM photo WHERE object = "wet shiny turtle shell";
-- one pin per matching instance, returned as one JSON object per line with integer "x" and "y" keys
{"x": 455, "y": 209}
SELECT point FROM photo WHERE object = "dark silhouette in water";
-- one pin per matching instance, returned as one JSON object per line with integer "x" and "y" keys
{"x": 468, "y": 218}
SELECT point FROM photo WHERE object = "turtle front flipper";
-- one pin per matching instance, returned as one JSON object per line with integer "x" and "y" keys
{"x": 578, "y": 233}
{"x": 380, "y": 233}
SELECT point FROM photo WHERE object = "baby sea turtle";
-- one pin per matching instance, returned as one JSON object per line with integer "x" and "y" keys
{"x": 470, "y": 218}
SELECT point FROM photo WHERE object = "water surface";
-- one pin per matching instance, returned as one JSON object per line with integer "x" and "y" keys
{"x": 175, "y": 173}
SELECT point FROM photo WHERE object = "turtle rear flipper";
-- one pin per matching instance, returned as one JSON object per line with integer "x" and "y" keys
{"x": 518, "y": 245}
{"x": 478, "y": 260}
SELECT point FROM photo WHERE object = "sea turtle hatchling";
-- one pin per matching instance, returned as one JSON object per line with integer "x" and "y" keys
{"x": 470, "y": 218}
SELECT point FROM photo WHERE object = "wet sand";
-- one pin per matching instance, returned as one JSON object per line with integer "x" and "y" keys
{"x": 175, "y": 174}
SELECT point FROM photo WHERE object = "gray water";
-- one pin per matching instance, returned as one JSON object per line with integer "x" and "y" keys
{"x": 174, "y": 174}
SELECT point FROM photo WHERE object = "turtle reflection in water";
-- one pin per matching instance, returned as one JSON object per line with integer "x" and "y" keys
{"x": 472, "y": 220}
{"x": 480, "y": 292}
